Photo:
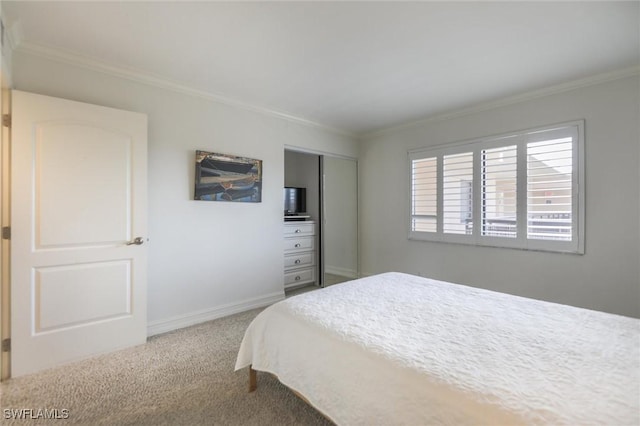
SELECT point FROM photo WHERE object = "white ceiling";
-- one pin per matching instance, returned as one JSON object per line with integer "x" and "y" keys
{"x": 354, "y": 66}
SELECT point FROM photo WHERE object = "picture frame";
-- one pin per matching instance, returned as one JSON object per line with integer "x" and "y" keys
{"x": 224, "y": 177}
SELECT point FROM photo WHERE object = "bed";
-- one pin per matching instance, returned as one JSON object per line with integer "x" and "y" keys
{"x": 396, "y": 349}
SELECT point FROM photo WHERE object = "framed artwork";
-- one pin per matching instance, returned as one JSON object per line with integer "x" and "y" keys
{"x": 222, "y": 177}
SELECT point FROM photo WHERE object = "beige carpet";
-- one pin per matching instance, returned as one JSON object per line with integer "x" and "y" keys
{"x": 183, "y": 377}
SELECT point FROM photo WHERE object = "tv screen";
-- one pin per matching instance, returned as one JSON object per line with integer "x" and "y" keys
{"x": 295, "y": 200}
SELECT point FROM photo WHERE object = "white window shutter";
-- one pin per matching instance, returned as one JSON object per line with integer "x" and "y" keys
{"x": 499, "y": 192}
{"x": 522, "y": 190}
{"x": 424, "y": 198}
{"x": 457, "y": 193}
{"x": 550, "y": 189}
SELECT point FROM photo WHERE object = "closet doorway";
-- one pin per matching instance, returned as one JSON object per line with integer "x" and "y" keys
{"x": 331, "y": 183}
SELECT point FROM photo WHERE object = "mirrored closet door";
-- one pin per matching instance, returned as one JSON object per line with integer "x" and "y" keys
{"x": 339, "y": 220}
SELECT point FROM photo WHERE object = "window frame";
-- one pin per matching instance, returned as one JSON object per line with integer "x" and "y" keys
{"x": 521, "y": 139}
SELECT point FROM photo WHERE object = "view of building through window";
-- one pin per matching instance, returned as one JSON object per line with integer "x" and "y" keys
{"x": 499, "y": 192}
{"x": 549, "y": 189}
{"x": 457, "y": 193}
{"x": 424, "y": 195}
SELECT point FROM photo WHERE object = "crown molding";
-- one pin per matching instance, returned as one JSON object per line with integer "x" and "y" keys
{"x": 150, "y": 79}
{"x": 522, "y": 97}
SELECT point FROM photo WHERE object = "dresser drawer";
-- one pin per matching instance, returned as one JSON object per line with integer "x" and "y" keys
{"x": 299, "y": 260}
{"x": 299, "y": 228}
{"x": 299, "y": 244}
{"x": 299, "y": 276}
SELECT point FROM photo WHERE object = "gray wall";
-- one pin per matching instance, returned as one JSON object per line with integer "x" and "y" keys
{"x": 605, "y": 278}
{"x": 205, "y": 258}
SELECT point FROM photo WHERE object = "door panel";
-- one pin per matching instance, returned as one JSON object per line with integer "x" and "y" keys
{"x": 79, "y": 195}
{"x": 98, "y": 201}
{"x": 78, "y": 295}
{"x": 340, "y": 220}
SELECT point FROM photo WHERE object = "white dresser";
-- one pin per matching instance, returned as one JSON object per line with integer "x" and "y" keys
{"x": 299, "y": 253}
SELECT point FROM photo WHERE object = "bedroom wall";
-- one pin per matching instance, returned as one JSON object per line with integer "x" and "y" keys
{"x": 605, "y": 278}
{"x": 206, "y": 259}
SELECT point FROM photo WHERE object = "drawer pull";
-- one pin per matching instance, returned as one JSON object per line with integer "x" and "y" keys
{"x": 297, "y": 277}
{"x": 297, "y": 245}
{"x": 297, "y": 231}
{"x": 297, "y": 261}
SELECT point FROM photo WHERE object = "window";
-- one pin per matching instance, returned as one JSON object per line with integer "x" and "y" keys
{"x": 423, "y": 195}
{"x": 523, "y": 190}
{"x": 457, "y": 176}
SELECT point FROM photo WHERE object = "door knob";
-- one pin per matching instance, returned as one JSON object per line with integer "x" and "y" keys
{"x": 136, "y": 241}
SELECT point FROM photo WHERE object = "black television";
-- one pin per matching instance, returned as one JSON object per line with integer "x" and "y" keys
{"x": 295, "y": 201}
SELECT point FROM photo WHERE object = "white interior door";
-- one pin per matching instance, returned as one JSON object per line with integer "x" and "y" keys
{"x": 78, "y": 198}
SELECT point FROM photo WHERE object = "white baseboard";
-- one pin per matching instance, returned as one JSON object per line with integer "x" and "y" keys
{"x": 197, "y": 317}
{"x": 344, "y": 272}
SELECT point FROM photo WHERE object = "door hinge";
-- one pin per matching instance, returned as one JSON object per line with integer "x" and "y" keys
{"x": 6, "y": 120}
{"x": 6, "y": 345}
{"x": 6, "y": 232}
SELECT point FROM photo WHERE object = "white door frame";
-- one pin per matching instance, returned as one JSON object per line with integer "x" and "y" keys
{"x": 5, "y": 202}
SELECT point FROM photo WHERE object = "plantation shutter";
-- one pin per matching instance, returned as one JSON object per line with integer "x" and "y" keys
{"x": 499, "y": 192}
{"x": 521, "y": 190}
{"x": 457, "y": 193}
{"x": 424, "y": 194}
{"x": 550, "y": 189}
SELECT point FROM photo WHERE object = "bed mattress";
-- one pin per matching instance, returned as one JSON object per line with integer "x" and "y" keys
{"x": 396, "y": 349}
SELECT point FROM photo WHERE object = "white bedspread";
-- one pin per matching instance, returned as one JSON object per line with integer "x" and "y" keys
{"x": 399, "y": 349}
